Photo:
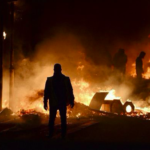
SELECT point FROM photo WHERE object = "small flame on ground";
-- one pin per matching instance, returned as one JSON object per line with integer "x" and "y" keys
{"x": 78, "y": 115}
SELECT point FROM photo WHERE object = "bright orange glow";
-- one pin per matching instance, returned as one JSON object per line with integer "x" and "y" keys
{"x": 111, "y": 95}
{"x": 128, "y": 109}
{"x": 146, "y": 75}
{"x": 82, "y": 92}
{"x": 78, "y": 115}
{"x": 5, "y": 104}
{"x": 80, "y": 66}
{"x": 4, "y": 35}
{"x": 87, "y": 76}
{"x": 133, "y": 71}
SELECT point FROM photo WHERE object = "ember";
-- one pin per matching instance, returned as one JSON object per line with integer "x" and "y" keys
{"x": 25, "y": 112}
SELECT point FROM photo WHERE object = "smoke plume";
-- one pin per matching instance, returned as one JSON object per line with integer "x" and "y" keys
{"x": 89, "y": 69}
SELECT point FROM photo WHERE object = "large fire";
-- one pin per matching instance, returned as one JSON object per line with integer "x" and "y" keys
{"x": 87, "y": 75}
{"x": 83, "y": 95}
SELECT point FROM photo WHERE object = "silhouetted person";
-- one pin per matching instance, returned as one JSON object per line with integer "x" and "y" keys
{"x": 58, "y": 90}
{"x": 120, "y": 60}
{"x": 139, "y": 65}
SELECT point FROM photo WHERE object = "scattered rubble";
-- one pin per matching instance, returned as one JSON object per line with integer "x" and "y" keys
{"x": 6, "y": 112}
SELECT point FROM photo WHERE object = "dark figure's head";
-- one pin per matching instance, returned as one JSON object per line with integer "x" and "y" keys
{"x": 121, "y": 51}
{"x": 142, "y": 54}
{"x": 57, "y": 68}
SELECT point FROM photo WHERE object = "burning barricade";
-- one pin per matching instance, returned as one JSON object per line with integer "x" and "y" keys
{"x": 108, "y": 103}
{"x": 101, "y": 101}
{"x": 102, "y": 104}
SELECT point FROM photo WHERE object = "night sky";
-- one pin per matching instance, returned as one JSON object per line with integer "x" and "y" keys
{"x": 111, "y": 19}
{"x": 99, "y": 25}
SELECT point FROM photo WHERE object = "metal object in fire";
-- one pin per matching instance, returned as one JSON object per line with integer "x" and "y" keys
{"x": 128, "y": 107}
{"x": 98, "y": 102}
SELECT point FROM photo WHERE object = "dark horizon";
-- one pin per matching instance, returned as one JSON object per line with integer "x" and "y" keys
{"x": 98, "y": 22}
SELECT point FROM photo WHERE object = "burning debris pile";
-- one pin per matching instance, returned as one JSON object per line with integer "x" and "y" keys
{"x": 105, "y": 102}
{"x": 36, "y": 95}
{"x": 31, "y": 116}
{"x": 5, "y": 114}
{"x": 81, "y": 110}
{"x": 102, "y": 103}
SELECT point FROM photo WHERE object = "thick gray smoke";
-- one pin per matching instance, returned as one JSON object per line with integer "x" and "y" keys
{"x": 78, "y": 62}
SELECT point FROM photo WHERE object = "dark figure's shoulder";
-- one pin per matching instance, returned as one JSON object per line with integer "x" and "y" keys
{"x": 49, "y": 78}
{"x": 138, "y": 59}
{"x": 65, "y": 77}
